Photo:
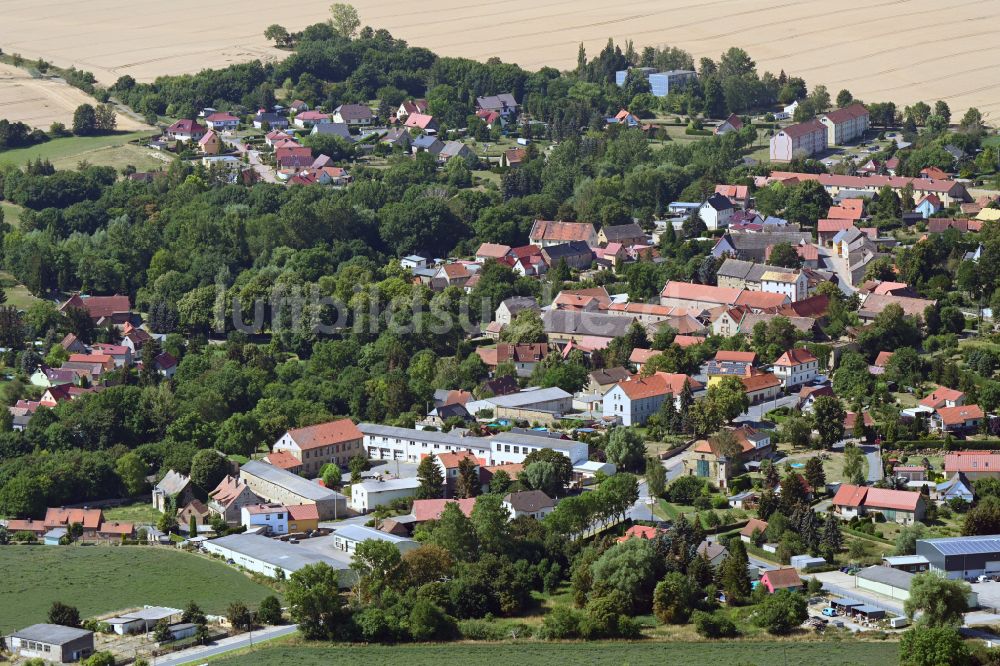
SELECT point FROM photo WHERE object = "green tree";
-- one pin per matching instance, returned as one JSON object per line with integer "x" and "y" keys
{"x": 563, "y": 466}
{"x": 814, "y": 474}
{"x": 84, "y": 120}
{"x": 490, "y": 521}
{"x": 783, "y": 254}
{"x": 132, "y": 472}
{"x": 828, "y": 416}
{"x": 797, "y": 431}
{"x": 331, "y": 475}
{"x": 626, "y": 449}
{"x": 358, "y": 464}
{"x": 781, "y": 612}
{"x": 854, "y": 460}
{"x": 940, "y": 601}
{"x": 276, "y": 33}
{"x": 906, "y": 542}
{"x": 162, "y": 633}
{"x": 314, "y": 600}
{"x": 376, "y": 564}
{"x": 429, "y": 622}
{"x": 932, "y": 646}
{"x": 208, "y": 469}
{"x": 345, "y": 19}
{"x": 656, "y": 477}
{"x": 734, "y": 578}
{"x": 467, "y": 485}
{"x": 674, "y": 598}
{"x": 193, "y": 614}
{"x": 67, "y": 616}
{"x": 454, "y": 532}
{"x": 630, "y": 568}
{"x": 431, "y": 479}
{"x": 844, "y": 99}
{"x": 240, "y": 617}
{"x": 524, "y": 328}
{"x": 983, "y": 518}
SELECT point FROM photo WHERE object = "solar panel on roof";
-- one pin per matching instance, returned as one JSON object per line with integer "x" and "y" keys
{"x": 966, "y": 545}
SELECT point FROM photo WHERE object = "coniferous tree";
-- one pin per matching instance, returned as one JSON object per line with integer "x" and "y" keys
{"x": 431, "y": 480}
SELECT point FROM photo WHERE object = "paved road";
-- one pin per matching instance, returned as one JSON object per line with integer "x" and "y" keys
{"x": 755, "y": 414}
{"x": 874, "y": 456}
{"x": 203, "y": 652}
{"x": 838, "y": 266}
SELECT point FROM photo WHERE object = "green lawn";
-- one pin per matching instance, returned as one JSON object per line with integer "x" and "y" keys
{"x": 17, "y": 294}
{"x": 141, "y": 513}
{"x": 653, "y": 653}
{"x": 105, "y": 150}
{"x": 11, "y": 213}
{"x": 101, "y": 579}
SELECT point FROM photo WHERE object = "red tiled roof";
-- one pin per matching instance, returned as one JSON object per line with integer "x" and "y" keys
{"x": 688, "y": 340}
{"x": 802, "y": 129}
{"x": 850, "y": 495}
{"x": 882, "y": 360}
{"x": 451, "y": 460}
{"x": 100, "y": 306}
{"x": 850, "y": 418}
{"x": 733, "y": 191}
{"x": 642, "y": 355}
{"x": 900, "y": 500}
{"x": 431, "y": 509}
{"x": 849, "y": 209}
{"x": 282, "y": 459}
{"x": 959, "y": 415}
{"x": 186, "y": 126}
{"x": 780, "y": 579}
{"x": 760, "y": 382}
{"x": 660, "y": 383}
{"x": 493, "y": 250}
{"x": 737, "y": 356}
{"x": 971, "y": 461}
{"x": 562, "y": 231}
{"x": 700, "y": 292}
{"x": 753, "y": 524}
{"x": 418, "y": 120}
{"x": 228, "y": 490}
{"x": 62, "y": 517}
{"x": 639, "y": 532}
{"x": 303, "y": 512}
{"x": 760, "y": 299}
{"x": 115, "y": 527}
{"x": 795, "y": 356}
{"x": 940, "y": 396}
{"x": 834, "y": 225}
{"x": 324, "y": 434}
{"x": 848, "y": 113}
{"x": 29, "y": 525}
{"x": 866, "y": 182}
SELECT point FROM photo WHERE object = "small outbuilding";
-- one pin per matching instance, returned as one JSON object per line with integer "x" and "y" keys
{"x": 52, "y": 642}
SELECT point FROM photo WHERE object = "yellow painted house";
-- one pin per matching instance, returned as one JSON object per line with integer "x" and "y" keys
{"x": 302, "y": 518}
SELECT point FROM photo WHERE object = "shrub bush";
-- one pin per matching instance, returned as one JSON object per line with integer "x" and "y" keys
{"x": 714, "y": 625}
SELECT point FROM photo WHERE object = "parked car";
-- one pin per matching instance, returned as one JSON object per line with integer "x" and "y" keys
{"x": 829, "y": 611}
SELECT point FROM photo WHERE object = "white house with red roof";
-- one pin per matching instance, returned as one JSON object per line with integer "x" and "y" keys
{"x": 845, "y": 125}
{"x": 411, "y": 106}
{"x": 958, "y": 420}
{"x": 421, "y": 121}
{"x": 731, "y": 124}
{"x": 796, "y": 367}
{"x": 928, "y": 205}
{"x": 633, "y": 401}
{"x": 800, "y": 140}
{"x": 900, "y": 506}
{"x": 973, "y": 464}
{"x": 186, "y": 129}
{"x": 117, "y": 309}
{"x": 314, "y": 446}
{"x": 222, "y": 121}
{"x": 307, "y": 119}
{"x": 943, "y": 397}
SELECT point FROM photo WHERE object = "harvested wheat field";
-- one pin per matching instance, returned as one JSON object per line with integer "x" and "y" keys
{"x": 899, "y": 50}
{"x": 40, "y": 102}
